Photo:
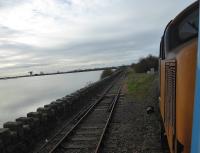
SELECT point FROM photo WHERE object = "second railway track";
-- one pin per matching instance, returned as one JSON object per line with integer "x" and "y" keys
{"x": 87, "y": 132}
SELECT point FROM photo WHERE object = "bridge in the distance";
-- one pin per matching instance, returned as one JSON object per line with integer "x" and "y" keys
{"x": 59, "y": 72}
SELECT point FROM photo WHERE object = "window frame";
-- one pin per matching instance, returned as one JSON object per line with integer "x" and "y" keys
{"x": 172, "y": 32}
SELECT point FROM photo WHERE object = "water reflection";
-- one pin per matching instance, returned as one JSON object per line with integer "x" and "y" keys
{"x": 19, "y": 96}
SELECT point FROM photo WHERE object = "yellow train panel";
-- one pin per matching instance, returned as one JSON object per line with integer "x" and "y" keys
{"x": 186, "y": 66}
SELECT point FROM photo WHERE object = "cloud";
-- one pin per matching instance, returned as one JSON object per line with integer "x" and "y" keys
{"x": 10, "y": 3}
{"x": 53, "y": 35}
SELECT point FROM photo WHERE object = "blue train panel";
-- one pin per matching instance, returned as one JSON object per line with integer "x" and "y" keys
{"x": 196, "y": 116}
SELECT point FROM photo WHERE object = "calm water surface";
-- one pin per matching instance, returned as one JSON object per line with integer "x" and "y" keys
{"x": 20, "y": 96}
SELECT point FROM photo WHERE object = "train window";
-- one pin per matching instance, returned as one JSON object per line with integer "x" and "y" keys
{"x": 162, "y": 52}
{"x": 188, "y": 28}
{"x": 183, "y": 28}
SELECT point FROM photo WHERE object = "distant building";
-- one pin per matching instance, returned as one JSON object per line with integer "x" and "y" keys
{"x": 152, "y": 71}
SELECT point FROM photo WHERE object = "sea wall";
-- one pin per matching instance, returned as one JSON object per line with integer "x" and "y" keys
{"x": 19, "y": 136}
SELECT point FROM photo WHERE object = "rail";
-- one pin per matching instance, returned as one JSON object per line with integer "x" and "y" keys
{"x": 65, "y": 132}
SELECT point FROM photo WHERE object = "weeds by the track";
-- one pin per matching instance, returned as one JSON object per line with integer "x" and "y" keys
{"x": 138, "y": 84}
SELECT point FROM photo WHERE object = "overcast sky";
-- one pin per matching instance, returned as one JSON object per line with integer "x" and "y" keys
{"x": 50, "y": 35}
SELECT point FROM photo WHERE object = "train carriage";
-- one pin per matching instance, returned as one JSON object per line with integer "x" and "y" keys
{"x": 178, "y": 53}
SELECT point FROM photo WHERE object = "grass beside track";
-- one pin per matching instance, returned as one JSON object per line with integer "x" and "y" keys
{"x": 138, "y": 84}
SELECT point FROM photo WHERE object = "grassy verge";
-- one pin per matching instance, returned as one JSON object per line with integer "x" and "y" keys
{"x": 138, "y": 84}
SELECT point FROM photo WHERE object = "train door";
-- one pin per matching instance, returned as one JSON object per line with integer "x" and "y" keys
{"x": 168, "y": 97}
{"x": 168, "y": 91}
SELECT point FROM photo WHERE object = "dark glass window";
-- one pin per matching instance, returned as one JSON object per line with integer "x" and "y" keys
{"x": 188, "y": 28}
{"x": 162, "y": 53}
{"x": 183, "y": 29}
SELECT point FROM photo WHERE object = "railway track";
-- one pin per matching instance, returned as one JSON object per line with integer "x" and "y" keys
{"x": 86, "y": 131}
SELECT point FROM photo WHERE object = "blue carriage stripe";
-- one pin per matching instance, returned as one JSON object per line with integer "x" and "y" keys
{"x": 196, "y": 116}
